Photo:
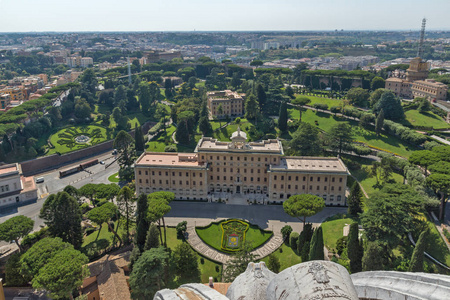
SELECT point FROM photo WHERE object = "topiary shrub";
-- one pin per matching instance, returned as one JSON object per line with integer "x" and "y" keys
{"x": 293, "y": 238}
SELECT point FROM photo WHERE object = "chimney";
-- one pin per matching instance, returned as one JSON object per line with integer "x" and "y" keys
{"x": 211, "y": 282}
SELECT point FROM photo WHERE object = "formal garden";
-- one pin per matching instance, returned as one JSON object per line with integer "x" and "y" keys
{"x": 229, "y": 236}
{"x": 77, "y": 137}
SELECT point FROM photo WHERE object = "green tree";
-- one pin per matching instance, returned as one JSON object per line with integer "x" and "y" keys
{"x": 355, "y": 200}
{"x": 238, "y": 262}
{"x": 358, "y": 96}
{"x": 316, "y": 250}
{"x": 73, "y": 191}
{"x": 104, "y": 214}
{"x": 142, "y": 223}
{"x": 440, "y": 183}
{"x": 305, "y": 251}
{"x": 251, "y": 107}
{"x": 283, "y": 116}
{"x": 146, "y": 277}
{"x": 182, "y": 133}
{"x": 293, "y": 239}
{"x": 139, "y": 139}
{"x": 261, "y": 96}
{"x": 354, "y": 249}
{"x": 62, "y": 274}
{"x": 82, "y": 109}
{"x": 88, "y": 190}
{"x": 16, "y": 228}
{"x": 40, "y": 254}
{"x": 62, "y": 214}
{"x": 303, "y": 206}
{"x": 152, "y": 240}
{"x": 391, "y": 106}
{"x": 158, "y": 207}
{"x": 374, "y": 257}
{"x": 125, "y": 205}
{"x": 299, "y": 102}
{"x": 340, "y": 136}
{"x": 273, "y": 263}
{"x": 379, "y": 122}
{"x": 416, "y": 264}
{"x": 186, "y": 262}
{"x": 375, "y": 96}
{"x": 365, "y": 122}
{"x": 144, "y": 96}
{"x": 12, "y": 272}
{"x": 204, "y": 125}
{"x": 286, "y": 233}
{"x": 305, "y": 140}
{"x": 256, "y": 63}
{"x": 377, "y": 83}
{"x": 124, "y": 144}
{"x": 220, "y": 112}
{"x": 423, "y": 158}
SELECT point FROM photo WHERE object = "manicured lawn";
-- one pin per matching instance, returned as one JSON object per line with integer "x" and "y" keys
{"x": 158, "y": 144}
{"x": 64, "y": 139}
{"x": 287, "y": 257}
{"x": 333, "y": 230}
{"x": 208, "y": 268}
{"x": 97, "y": 243}
{"x": 224, "y": 134}
{"x": 136, "y": 118}
{"x": 328, "y": 101}
{"x": 368, "y": 182}
{"x": 114, "y": 177}
{"x": 212, "y": 235}
{"x": 326, "y": 122}
{"x": 428, "y": 119}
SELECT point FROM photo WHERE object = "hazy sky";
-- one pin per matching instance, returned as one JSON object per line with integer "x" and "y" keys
{"x": 188, "y": 15}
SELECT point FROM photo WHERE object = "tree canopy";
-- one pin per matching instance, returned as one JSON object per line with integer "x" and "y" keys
{"x": 15, "y": 228}
{"x": 303, "y": 206}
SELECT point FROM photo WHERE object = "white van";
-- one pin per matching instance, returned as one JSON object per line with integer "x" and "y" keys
{"x": 39, "y": 179}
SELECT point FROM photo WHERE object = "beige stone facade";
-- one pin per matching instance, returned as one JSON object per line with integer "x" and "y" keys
{"x": 232, "y": 103}
{"x": 14, "y": 187}
{"x": 251, "y": 171}
{"x": 430, "y": 89}
{"x": 416, "y": 85}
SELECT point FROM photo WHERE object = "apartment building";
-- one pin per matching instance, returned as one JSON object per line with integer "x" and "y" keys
{"x": 251, "y": 171}
{"x": 14, "y": 187}
{"x": 232, "y": 103}
{"x": 430, "y": 89}
{"x": 5, "y": 100}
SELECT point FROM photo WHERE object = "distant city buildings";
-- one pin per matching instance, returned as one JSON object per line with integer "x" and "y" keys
{"x": 78, "y": 61}
{"x": 232, "y": 103}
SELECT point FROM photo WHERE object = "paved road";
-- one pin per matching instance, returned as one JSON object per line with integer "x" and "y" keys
{"x": 53, "y": 184}
{"x": 270, "y": 217}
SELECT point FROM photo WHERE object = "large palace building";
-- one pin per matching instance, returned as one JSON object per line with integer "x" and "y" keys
{"x": 232, "y": 103}
{"x": 241, "y": 172}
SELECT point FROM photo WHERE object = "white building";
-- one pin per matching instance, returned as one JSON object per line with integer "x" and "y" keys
{"x": 86, "y": 62}
{"x": 14, "y": 187}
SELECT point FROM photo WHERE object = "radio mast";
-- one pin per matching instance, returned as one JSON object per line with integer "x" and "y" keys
{"x": 422, "y": 35}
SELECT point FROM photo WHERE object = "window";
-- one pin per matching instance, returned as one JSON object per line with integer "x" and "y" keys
{"x": 340, "y": 179}
{"x": 238, "y": 158}
{"x": 159, "y": 173}
{"x": 245, "y": 170}
{"x": 193, "y": 174}
{"x": 231, "y": 157}
{"x": 212, "y": 169}
{"x": 274, "y": 186}
{"x": 193, "y": 183}
{"x": 332, "y": 179}
{"x": 340, "y": 188}
{"x": 265, "y": 159}
{"x": 275, "y": 177}
{"x": 224, "y": 170}
{"x": 318, "y": 187}
{"x": 179, "y": 174}
{"x": 310, "y": 187}
{"x": 187, "y": 174}
{"x": 326, "y": 179}
{"x": 303, "y": 187}
{"x": 139, "y": 172}
{"x": 251, "y": 159}
{"x": 332, "y": 188}
{"x": 140, "y": 180}
{"x": 258, "y": 179}
{"x": 210, "y": 158}
{"x": 153, "y": 181}
{"x": 173, "y": 182}
{"x": 224, "y": 158}
{"x": 282, "y": 186}
{"x": 318, "y": 179}
{"x": 296, "y": 187}
{"x": 265, "y": 179}
{"x": 187, "y": 182}
{"x": 167, "y": 173}
{"x": 245, "y": 158}
{"x": 251, "y": 171}
{"x": 173, "y": 173}
{"x": 245, "y": 178}
{"x": 211, "y": 177}
{"x": 282, "y": 177}
{"x": 218, "y": 177}
{"x": 203, "y": 157}
{"x": 201, "y": 182}
{"x": 304, "y": 178}
{"x": 259, "y": 158}
{"x": 289, "y": 178}
{"x": 338, "y": 198}
{"x": 311, "y": 179}
{"x": 324, "y": 188}
{"x": 224, "y": 177}
{"x": 259, "y": 171}
{"x": 218, "y": 158}
{"x": 160, "y": 181}
{"x": 251, "y": 179}
{"x": 153, "y": 172}
{"x": 274, "y": 159}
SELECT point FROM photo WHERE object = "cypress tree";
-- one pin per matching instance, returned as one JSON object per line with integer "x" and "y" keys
{"x": 416, "y": 264}
{"x": 379, "y": 122}
{"x": 139, "y": 138}
{"x": 293, "y": 238}
{"x": 301, "y": 241}
{"x": 141, "y": 221}
{"x": 354, "y": 200}
{"x": 354, "y": 249}
{"x": 305, "y": 251}
{"x": 283, "y": 115}
{"x": 152, "y": 240}
{"x": 316, "y": 252}
{"x": 374, "y": 257}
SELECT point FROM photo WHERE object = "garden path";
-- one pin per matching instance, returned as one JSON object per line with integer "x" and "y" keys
{"x": 201, "y": 247}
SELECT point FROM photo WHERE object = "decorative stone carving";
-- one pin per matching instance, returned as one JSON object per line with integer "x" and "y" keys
{"x": 312, "y": 280}
{"x": 252, "y": 284}
{"x": 194, "y": 291}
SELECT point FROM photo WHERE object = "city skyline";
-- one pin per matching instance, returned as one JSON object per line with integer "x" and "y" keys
{"x": 201, "y": 15}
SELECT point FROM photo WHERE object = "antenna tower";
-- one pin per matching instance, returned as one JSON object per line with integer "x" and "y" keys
{"x": 422, "y": 35}
{"x": 129, "y": 70}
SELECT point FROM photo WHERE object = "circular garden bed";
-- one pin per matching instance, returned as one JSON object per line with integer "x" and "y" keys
{"x": 74, "y": 138}
{"x": 230, "y": 235}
